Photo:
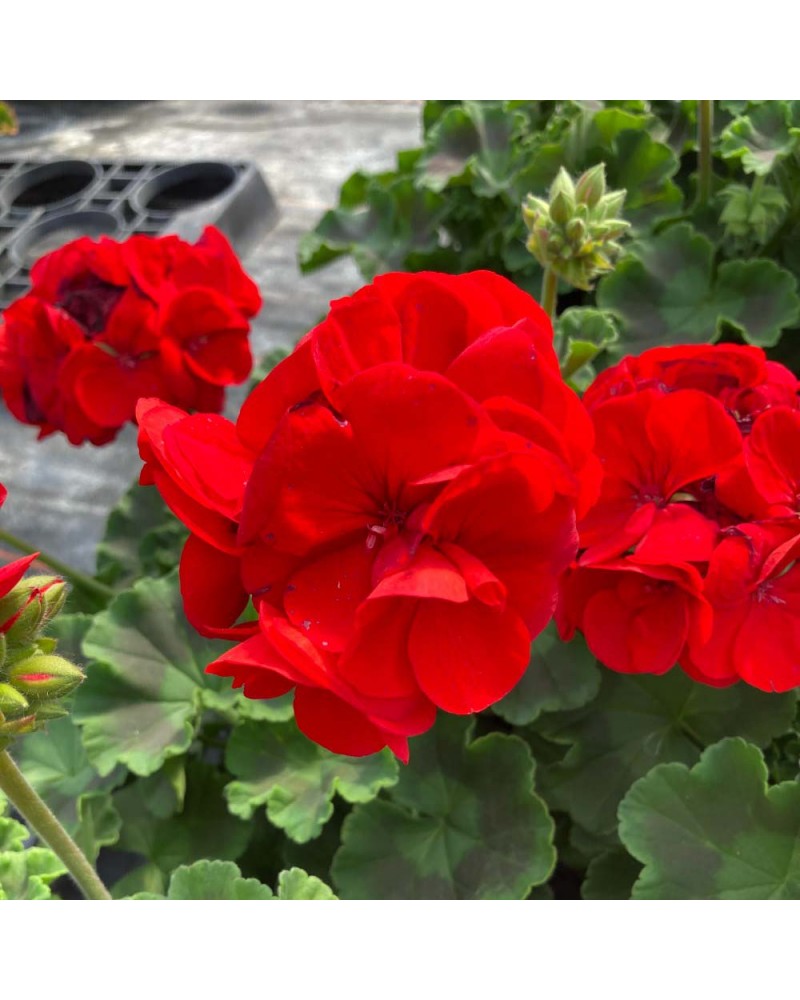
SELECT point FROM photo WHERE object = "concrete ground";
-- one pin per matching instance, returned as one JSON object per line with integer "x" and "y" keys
{"x": 59, "y": 495}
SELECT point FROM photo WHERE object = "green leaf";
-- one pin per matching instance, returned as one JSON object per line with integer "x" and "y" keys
{"x": 99, "y": 824}
{"x": 223, "y": 880}
{"x": 611, "y": 876}
{"x": 215, "y": 880}
{"x": 142, "y": 538}
{"x": 473, "y": 144}
{"x": 277, "y": 766}
{"x": 165, "y": 791}
{"x": 716, "y": 831}
{"x": 637, "y": 722}
{"x": 202, "y": 829}
{"x": 561, "y": 675}
{"x": 583, "y": 334}
{"x": 465, "y": 823}
{"x": 664, "y": 291}
{"x": 142, "y": 697}
{"x": 55, "y": 763}
{"x": 12, "y": 835}
{"x": 393, "y": 222}
{"x": 297, "y": 884}
{"x": 27, "y": 873}
{"x": 644, "y": 167}
{"x": 763, "y": 136}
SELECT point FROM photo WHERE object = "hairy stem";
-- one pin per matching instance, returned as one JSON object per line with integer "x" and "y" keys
{"x": 549, "y": 292}
{"x": 28, "y": 804}
{"x": 705, "y": 134}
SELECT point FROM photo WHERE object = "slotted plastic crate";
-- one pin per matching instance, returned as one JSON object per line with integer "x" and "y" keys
{"x": 45, "y": 204}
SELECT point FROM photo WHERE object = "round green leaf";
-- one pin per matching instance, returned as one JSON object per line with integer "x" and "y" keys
{"x": 561, "y": 675}
{"x": 202, "y": 828}
{"x": 472, "y": 143}
{"x": 297, "y": 884}
{"x": 665, "y": 292}
{"x": 54, "y": 761}
{"x": 611, "y": 876}
{"x": 142, "y": 538}
{"x": 141, "y": 699}
{"x": 637, "y": 722}
{"x": 465, "y": 823}
{"x": 277, "y": 766}
{"x": 765, "y": 135}
{"x": 716, "y": 831}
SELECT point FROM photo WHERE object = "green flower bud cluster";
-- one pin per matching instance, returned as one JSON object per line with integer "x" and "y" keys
{"x": 33, "y": 679}
{"x": 574, "y": 233}
{"x": 751, "y": 216}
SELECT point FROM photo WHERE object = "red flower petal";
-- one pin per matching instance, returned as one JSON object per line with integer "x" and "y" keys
{"x": 467, "y": 656}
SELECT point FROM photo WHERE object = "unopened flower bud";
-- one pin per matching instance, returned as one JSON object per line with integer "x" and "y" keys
{"x": 29, "y": 606}
{"x": 45, "y": 677}
{"x": 591, "y": 185}
{"x": 574, "y": 233}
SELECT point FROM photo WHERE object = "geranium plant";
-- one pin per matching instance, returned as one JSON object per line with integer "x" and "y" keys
{"x": 460, "y": 605}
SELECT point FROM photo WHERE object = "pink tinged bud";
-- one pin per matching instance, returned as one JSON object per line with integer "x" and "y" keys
{"x": 29, "y": 606}
{"x": 44, "y": 676}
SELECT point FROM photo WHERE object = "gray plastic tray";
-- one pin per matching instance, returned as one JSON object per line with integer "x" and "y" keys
{"x": 45, "y": 204}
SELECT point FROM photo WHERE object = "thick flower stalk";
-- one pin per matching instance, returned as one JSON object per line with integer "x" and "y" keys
{"x": 690, "y": 553}
{"x": 574, "y": 234}
{"x": 106, "y": 323}
{"x": 397, "y": 499}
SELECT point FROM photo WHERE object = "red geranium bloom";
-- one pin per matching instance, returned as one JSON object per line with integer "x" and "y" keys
{"x": 636, "y": 616}
{"x": 393, "y": 501}
{"x": 481, "y": 331}
{"x": 657, "y": 451}
{"x": 766, "y": 482}
{"x": 753, "y": 585}
{"x": 106, "y": 323}
{"x": 739, "y": 376}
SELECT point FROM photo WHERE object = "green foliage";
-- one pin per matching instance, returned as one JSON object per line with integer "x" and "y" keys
{"x": 637, "y": 722}
{"x": 25, "y": 872}
{"x": 716, "y": 831}
{"x": 561, "y": 675}
{"x": 200, "y": 827}
{"x": 55, "y": 763}
{"x": 611, "y": 876}
{"x": 142, "y": 538}
{"x": 666, "y": 291}
{"x": 277, "y": 766}
{"x": 763, "y": 136}
{"x": 464, "y": 822}
{"x": 145, "y": 690}
{"x": 694, "y": 273}
{"x": 223, "y": 880}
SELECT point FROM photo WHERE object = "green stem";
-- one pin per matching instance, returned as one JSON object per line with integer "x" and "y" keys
{"x": 705, "y": 134}
{"x": 41, "y": 819}
{"x": 88, "y": 583}
{"x": 549, "y": 292}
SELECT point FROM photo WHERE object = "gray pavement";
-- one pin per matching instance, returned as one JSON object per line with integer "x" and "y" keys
{"x": 59, "y": 495}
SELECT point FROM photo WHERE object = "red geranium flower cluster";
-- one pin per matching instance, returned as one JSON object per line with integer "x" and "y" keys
{"x": 690, "y": 552}
{"x": 106, "y": 323}
{"x": 398, "y": 501}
